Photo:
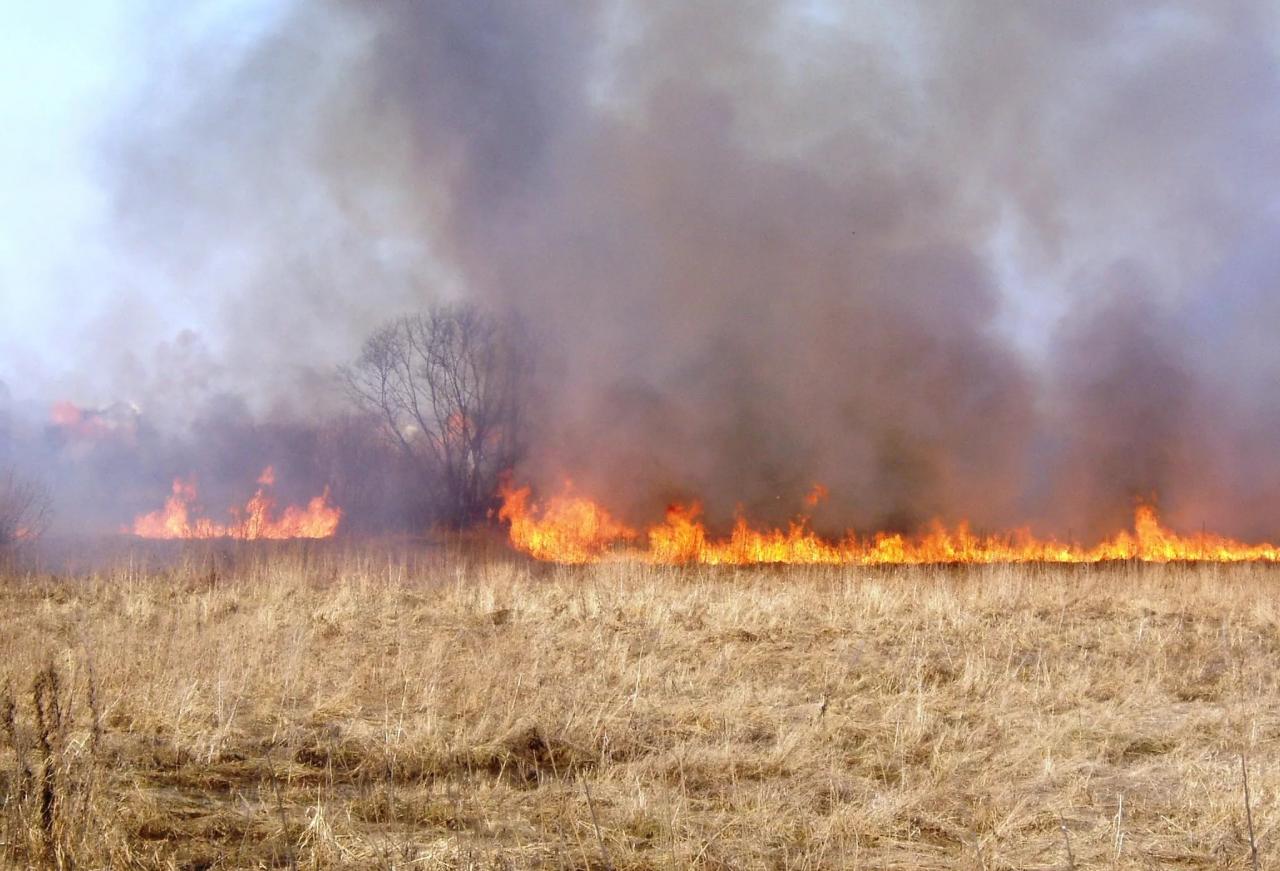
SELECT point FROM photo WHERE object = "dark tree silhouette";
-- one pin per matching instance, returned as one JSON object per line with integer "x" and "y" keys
{"x": 24, "y": 508}
{"x": 450, "y": 386}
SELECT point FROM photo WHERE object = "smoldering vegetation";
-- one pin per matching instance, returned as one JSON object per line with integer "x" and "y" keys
{"x": 1008, "y": 267}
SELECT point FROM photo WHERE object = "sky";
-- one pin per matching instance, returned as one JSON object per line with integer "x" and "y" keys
{"x": 69, "y": 72}
{"x": 60, "y": 69}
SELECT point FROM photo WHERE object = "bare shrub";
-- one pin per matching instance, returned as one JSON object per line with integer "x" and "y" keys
{"x": 24, "y": 508}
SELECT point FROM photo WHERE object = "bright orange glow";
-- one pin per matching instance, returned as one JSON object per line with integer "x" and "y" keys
{"x": 573, "y": 529}
{"x": 64, "y": 413}
{"x": 570, "y": 529}
{"x": 318, "y": 519}
{"x": 80, "y": 423}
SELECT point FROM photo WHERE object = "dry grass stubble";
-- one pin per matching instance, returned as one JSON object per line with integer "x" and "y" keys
{"x": 311, "y": 712}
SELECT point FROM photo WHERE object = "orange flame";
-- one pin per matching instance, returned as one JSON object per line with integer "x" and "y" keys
{"x": 64, "y": 413}
{"x": 816, "y": 496}
{"x": 573, "y": 529}
{"x": 80, "y": 423}
{"x": 318, "y": 519}
{"x": 570, "y": 529}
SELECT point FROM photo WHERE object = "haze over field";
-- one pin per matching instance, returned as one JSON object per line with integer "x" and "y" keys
{"x": 1015, "y": 268}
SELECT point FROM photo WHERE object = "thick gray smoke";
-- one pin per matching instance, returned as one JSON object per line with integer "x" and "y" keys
{"x": 1010, "y": 263}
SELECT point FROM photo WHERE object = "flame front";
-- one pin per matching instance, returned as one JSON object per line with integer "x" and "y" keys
{"x": 569, "y": 529}
{"x": 318, "y": 519}
{"x": 572, "y": 529}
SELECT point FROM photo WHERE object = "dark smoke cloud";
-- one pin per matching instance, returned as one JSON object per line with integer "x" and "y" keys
{"x": 757, "y": 240}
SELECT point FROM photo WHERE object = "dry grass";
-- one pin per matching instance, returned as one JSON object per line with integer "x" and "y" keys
{"x": 314, "y": 712}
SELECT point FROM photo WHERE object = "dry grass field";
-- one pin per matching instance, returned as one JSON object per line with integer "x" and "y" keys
{"x": 308, "y": 710}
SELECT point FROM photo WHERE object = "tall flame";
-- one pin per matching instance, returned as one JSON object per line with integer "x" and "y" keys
{"x": 318, "y": 519}
{"x": 572, "y": 529}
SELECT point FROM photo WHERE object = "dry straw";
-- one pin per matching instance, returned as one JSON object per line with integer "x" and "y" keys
{"x": 313, "y": 710}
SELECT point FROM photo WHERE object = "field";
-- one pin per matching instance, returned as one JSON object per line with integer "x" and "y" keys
{"x": 307, "y": 709}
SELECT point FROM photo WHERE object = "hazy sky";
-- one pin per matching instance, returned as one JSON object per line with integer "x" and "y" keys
{"x": 69, "y": 72}
{"x": 79, "y": 77}
{"x": 73, "y": 71}
{"x": 62, "y": 65}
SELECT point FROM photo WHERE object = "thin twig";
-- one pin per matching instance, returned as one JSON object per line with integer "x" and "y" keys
{"x": 604, "y": 851}
{"x": 1118, "y": 841}
{"x": 1248, "y": 812}
{"x": 1066, "y": 837}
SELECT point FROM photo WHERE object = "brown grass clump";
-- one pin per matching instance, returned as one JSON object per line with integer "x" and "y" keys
{"x": 305, "y": 711}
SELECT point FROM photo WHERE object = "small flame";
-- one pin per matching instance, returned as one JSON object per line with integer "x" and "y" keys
{"x": 318, "y": 519}
{"x": 66, "y": 414}
{"x": 79, "y": 423}
{"x": 573, "y": 529}
{"x": 84, "y": 427}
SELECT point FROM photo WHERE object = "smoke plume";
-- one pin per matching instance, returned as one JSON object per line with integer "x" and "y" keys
{"x": 1008, "y": 264}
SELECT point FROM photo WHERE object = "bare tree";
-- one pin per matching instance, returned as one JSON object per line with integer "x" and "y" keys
{"x": 24, "y": 508}
{"x": 450, "y": 386}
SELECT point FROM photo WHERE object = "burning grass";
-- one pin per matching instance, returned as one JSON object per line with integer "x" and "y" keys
{"x": 310, "y": 710}
{"x": 254, "y": 522}
{"x": 572, "y": 529}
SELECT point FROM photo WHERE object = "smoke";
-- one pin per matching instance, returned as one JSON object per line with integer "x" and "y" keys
{"x": 1011, "y": 267}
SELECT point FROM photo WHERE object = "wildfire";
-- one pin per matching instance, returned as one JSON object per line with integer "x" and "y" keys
{"x": 569, "y": 529}
{"x": 87, "y": 425}
{"x": 573, "y": 529}
{"x": 318, "y": 519}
